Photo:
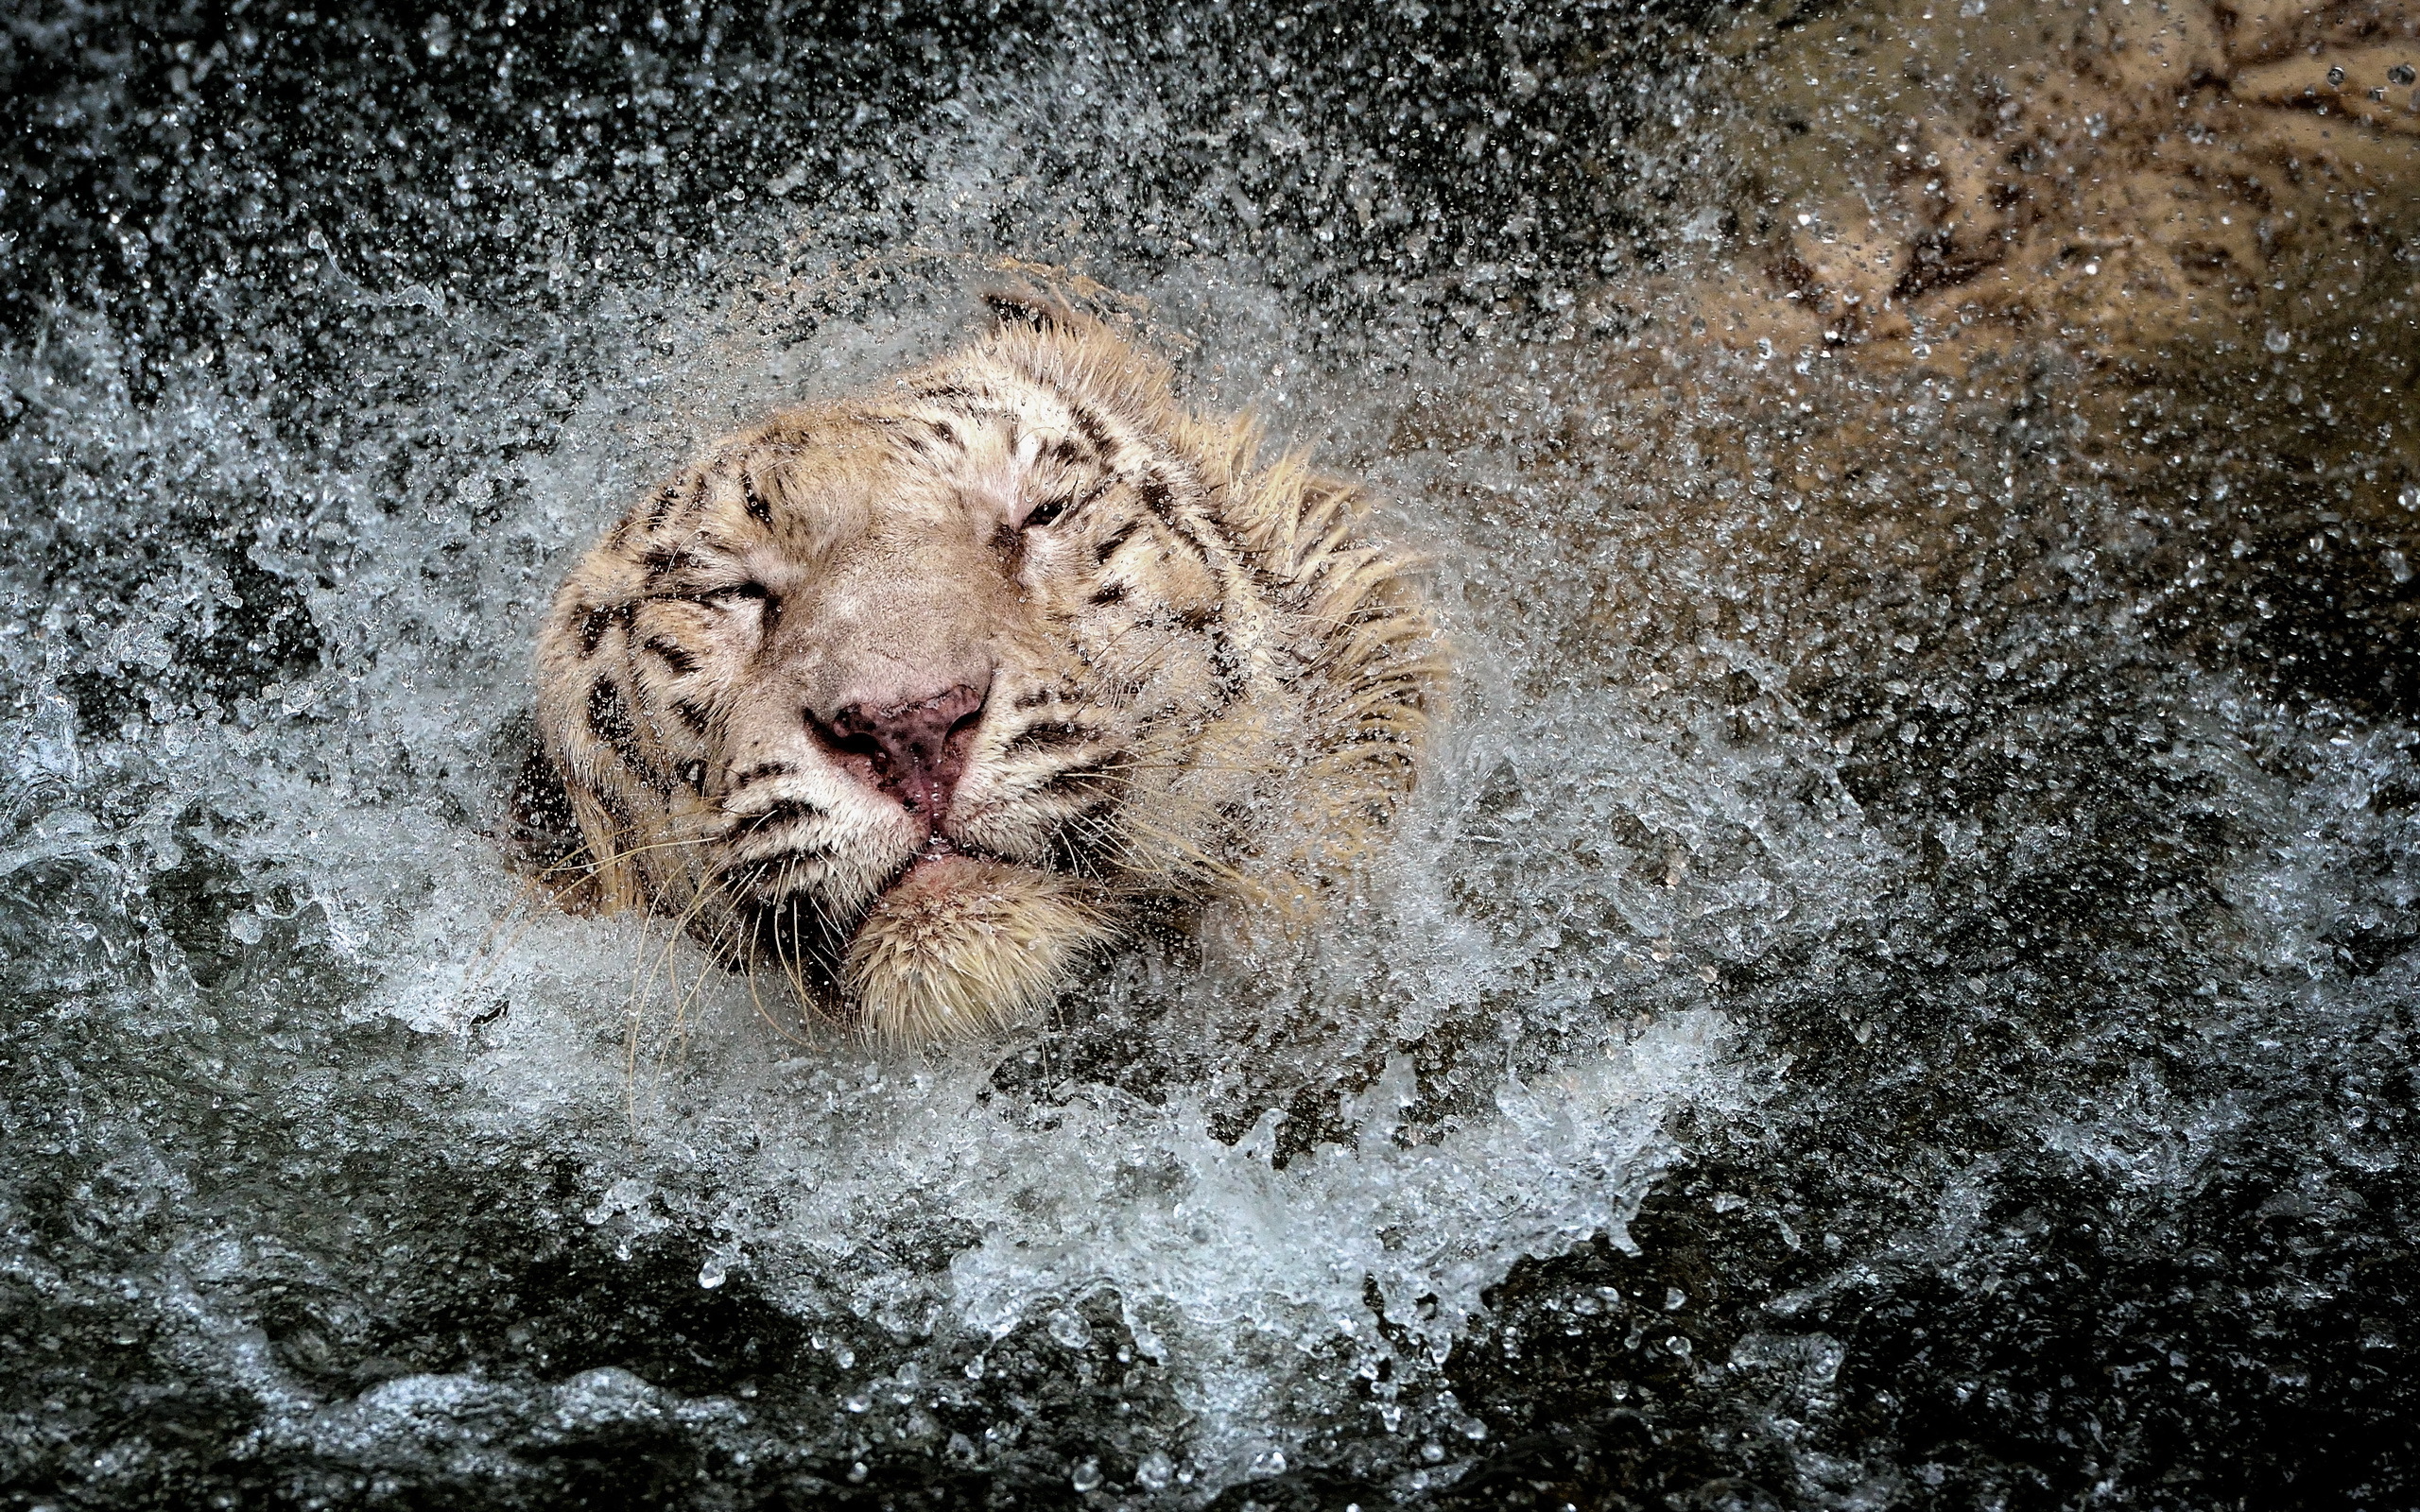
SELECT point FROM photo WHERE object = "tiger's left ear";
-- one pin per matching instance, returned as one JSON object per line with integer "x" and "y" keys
{"x": 1029, "y": 307}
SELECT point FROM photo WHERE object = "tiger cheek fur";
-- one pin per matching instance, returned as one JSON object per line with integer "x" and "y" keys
{"x": 916, "y": 698}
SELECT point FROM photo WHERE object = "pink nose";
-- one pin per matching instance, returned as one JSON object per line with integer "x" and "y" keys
{"x": 915, "y": 752}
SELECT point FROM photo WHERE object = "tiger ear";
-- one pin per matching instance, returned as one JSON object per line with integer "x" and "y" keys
{"x": 1030, "y": 308}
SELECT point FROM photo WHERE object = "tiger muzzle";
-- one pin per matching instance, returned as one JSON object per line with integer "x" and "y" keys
{"x": 914, "y": 750}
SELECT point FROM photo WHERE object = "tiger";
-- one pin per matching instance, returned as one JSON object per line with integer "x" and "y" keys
{"x": 922, "y": 699}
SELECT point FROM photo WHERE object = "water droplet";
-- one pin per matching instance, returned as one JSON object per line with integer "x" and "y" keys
{"x": 2278, "y": 340}
{"x": 1154, "y": 1471}
{"x": 1069, "y": 1329}
{"x": 1087, "y": 1476}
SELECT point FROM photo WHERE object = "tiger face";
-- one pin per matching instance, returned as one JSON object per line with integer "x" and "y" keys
{"x": 921, "y": 695}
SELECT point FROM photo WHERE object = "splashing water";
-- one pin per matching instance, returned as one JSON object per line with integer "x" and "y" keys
{"x": 1896, "y": 991}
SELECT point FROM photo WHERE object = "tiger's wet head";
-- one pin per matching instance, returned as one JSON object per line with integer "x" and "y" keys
{"x": 919, "y": 695}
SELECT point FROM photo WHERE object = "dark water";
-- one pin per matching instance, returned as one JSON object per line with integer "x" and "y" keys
{"x": 1901, "y": 994}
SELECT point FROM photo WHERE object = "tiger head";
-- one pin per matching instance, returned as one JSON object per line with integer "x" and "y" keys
{"x": 923, "y": 695}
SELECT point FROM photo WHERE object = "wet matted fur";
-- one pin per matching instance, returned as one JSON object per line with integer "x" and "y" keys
{"x": 919, "y": 698}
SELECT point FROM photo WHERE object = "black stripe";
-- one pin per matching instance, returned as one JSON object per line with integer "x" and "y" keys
{"x": 711, "y": 597}
{"x": 676, "y": 656}
{"x": 766, "y": 868}
{"x": 1048, "y": 735}
{"x": 896, "y": 427}
{"x": 1113, "y": 593}
{"x": 1235, "y": 570}
{"x": 663, "y": 561}
{"x": 609, "y": 719}
{"x": 783, "y": 812}
{"x": 700, "y": 720}
{"x": 1160, "y": 499}
{"x": 1155, "y": 491}
{"x": 1075, "y": 780}
{"x": 1227, "y": 674}
{"x": 662, "y": 509}
{"x": 760, "y": 772}
{"x": 1158, "y": 496}
{"x": 969, "y": 404}
{"x": 1013, "y": 309}
{"x": 595, "y": 622}
{"x": 1090, "y": 424}
{"x": 1117, "y": 537}
{"x": 751, "y": 501}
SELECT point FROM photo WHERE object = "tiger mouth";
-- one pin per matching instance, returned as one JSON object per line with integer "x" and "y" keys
{"x": 774, "y": 880}
{"x": 784, "y": 919}
{"x": 939, "y": 850}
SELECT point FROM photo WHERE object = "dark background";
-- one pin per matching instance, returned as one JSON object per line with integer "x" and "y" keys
{"x": 217, "y": 185}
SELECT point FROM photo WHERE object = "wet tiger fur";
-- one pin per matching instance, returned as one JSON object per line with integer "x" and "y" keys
{"x": 922, "y": 696}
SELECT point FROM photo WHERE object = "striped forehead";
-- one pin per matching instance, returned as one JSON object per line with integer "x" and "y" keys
{"x": 836, "y": 475}
{"x": 975, "y": 411}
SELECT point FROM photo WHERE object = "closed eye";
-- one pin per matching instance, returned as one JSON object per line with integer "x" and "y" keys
{"x": 720, "y": 594}
{"x": 1043, "y": 513}
{"x": 1047, "y": 510}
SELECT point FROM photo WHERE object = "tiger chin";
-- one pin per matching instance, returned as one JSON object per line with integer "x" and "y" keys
{"x": 918, "y": 700}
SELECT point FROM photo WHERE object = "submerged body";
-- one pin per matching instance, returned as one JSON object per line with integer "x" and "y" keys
{"x": 921, "y": 697}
